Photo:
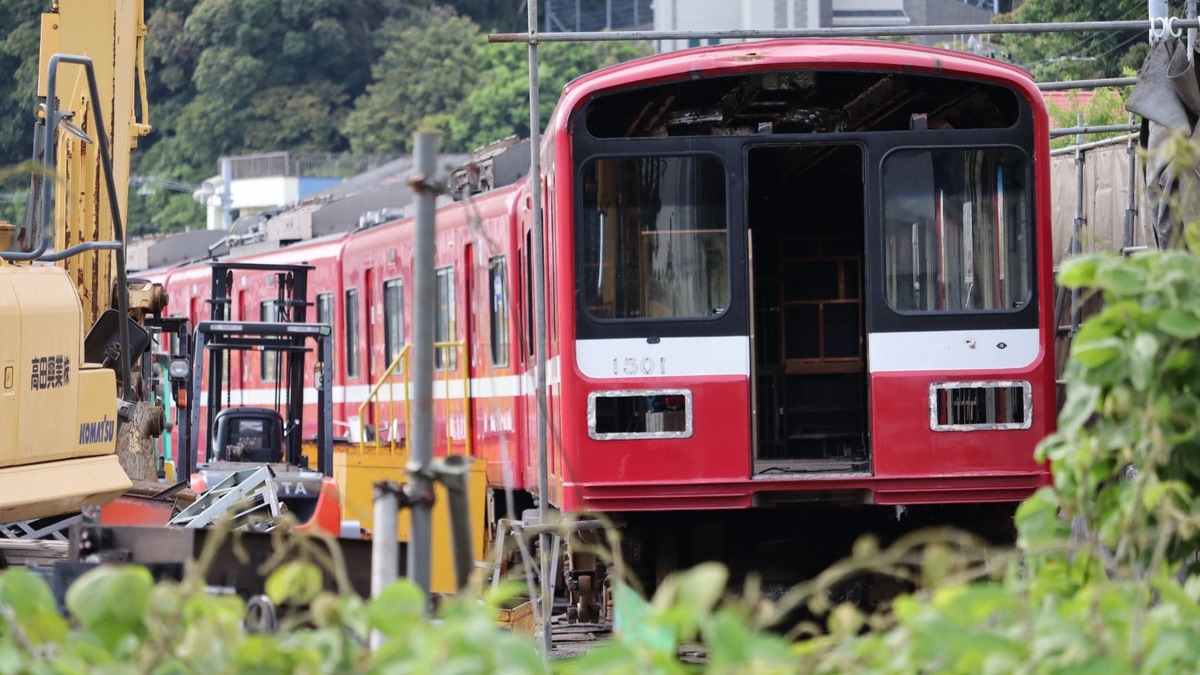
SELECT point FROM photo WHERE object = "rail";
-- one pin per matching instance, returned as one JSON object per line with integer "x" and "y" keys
{"x": 387, "y": 380}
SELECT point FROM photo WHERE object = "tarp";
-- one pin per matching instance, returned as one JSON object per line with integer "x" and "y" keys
{"x": 1167, "y": 97}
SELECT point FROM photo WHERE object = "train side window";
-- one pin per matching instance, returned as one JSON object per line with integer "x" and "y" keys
{"x": 958, "y": 230}
{"x": 393, "y": 318}
{"x": 352, "y": 333}
{"x": 498, "y": 283}
{"x": 268, "y": 361}
{"x": 444, "y": 358}
{"x": 529, "y": 310}
{"x": 325, "y": 310}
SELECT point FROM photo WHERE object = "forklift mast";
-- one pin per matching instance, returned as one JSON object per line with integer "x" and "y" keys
{"x": 287, "y": 335}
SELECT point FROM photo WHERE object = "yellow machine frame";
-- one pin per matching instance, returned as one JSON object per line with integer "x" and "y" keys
{"x": 111, "y": 33}
{"x": 58, "y": 414}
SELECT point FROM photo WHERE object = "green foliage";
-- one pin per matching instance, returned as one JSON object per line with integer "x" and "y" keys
{"x": 428, "y": 65}
{"x": 124, "y": 623}
{"x": 1073, "y": 56}
{"x": 19, "y": 34}
{"x": 1097, "y": 584}
{"x": 1105, "y": 107}
{"x": 499, "y": 105}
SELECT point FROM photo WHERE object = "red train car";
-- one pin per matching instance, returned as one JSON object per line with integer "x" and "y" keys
{"x": 791, "y": 272}
{"x": 778, "y": 273}
{"x": 254, "y": 377}
{"x": 475, "y": 365}
{"x": 800, "y": 268}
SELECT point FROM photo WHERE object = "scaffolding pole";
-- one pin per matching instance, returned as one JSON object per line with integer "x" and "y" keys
{"x": 855, "y": 32}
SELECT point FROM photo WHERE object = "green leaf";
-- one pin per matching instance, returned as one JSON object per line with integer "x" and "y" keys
{"x": 1120, "y": 277}
{"x": 397, "y": 608}
{"x": 1179, "y": 323}
{"x": 261, "y": 654}
{"x": 635, "y": 624}
{"x": 1098, "y": 353}
{"x": 700, "y": 587}
{"x": 1079, "y": 271}
{"x": 1038, "y": 522}
{"x": 111, "y": 601}
{"x": 1081, "y": 403}
{"x": 294, "y": 582}
{"x": 1143, "y": 355}
{"x": 33, "y": 605}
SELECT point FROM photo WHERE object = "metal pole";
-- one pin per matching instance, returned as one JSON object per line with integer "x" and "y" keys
{"x": 1131, "y": 208}
{"x": 1104, "y": 129}
{"x": 385, "y": 547}
{"x": 539, "y": 294}
{"x": 424, "y": 291}
{"x": 1191, "y": 34}
{"x": 226, "y": 193}
{"x": 453, "y": 472}
{"x": 894, "y": 31}
{"x": 1077, "y": 230}
{"x": 1088, "y": 84}
{"x": 1158, "y": 12}
{"x": 1070, "y": 149}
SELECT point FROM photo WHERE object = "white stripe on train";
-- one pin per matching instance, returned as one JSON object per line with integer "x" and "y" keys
{"x": 965, "y": 350}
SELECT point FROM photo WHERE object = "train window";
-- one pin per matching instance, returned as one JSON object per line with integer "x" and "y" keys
{"x": 498, "y": 283}
{"x": 957, "y": 230}
{"x": 268, "y": 361}
{"x": 530, "y": 346}
{"x": 393, "y": 318}
{"x": 352, "y": 333}
{"x": 444, "y": 357}
{"x": 800, "y": 102}
{"x": 325, "y": 310}
{"x": 628, "y": 414}
{"x": 653, "y": 237}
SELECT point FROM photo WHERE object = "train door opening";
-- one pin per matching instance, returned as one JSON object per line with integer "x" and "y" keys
{"x": 806, "y": 214}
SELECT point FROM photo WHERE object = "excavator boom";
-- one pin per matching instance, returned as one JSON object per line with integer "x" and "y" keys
{"x": 111, "y": 33}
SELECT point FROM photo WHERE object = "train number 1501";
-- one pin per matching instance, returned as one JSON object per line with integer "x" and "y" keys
{"x": 632, "y": 365}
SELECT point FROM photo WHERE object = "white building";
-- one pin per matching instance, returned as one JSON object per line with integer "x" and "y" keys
{"x": 713, "y": 15}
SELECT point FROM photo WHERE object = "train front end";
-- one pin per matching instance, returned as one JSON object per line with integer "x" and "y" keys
{"x": 799, "y": 271}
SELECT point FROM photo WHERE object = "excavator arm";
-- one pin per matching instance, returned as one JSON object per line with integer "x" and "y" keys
{"x": 111, "y": 33}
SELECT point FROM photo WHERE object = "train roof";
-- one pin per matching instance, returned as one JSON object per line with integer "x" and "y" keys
{"x": 861, "y": 56}
{"x": 483, "y": 205}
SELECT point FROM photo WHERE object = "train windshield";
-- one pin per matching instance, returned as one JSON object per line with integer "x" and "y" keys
{"x": 957, "y": 228}
{"x": 654, "y": 237}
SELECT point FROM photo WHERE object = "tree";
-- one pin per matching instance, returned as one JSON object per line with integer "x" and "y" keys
{"x": 1072, "y": 56}
{"x": 499, "y": 106}
{"x": 431, "y": 62}
{"x": 19, "y": 62}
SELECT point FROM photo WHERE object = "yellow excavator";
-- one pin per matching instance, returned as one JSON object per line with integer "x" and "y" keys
{"x": 70, "y": 395}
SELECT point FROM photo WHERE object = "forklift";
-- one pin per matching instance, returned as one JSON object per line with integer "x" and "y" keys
{"x": 234, "y": 454}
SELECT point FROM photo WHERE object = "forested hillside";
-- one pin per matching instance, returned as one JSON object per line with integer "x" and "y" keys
{"x": 229, "y": 77}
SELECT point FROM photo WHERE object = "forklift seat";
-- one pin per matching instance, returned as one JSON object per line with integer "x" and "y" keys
{"x": 249, "y": 435}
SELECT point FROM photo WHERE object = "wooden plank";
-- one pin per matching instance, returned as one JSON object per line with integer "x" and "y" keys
{"x": 25, "y": 552}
